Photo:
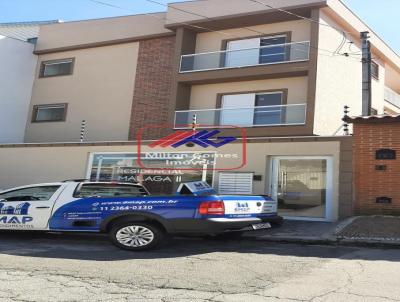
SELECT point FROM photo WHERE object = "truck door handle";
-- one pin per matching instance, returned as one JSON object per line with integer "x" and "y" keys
{"x": 42, "y": 207}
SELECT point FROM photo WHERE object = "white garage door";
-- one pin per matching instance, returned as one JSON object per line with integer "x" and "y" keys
{"x": 235, "y": 183}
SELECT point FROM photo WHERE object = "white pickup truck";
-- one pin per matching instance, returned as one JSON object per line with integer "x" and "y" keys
{"x": 134, "y": 219}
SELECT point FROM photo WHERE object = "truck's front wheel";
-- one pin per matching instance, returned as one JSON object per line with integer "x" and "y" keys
{"x": 136, "y": 236}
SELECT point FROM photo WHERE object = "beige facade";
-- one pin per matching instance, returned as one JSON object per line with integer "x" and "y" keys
{"x": 41, "y": 163}
{"x": 99, "y": 91}
{"x": 106, "y": 53}
{"x": 220, "y": 9}
{"x": 338, "y": 81}
{"x": 206, "y": 96}
{"x": 212, "y": 41}
{"x": 88, "y": 32}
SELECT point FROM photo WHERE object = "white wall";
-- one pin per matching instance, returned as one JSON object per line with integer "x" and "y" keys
{"x": 17, "y": 70}
{"x": 339, "y": 81}
{"x": 378, "y": 88}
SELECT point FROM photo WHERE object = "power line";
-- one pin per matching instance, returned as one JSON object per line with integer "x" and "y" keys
{"x": 336, "y": 52}
{"x": 341, "y": 45}
{"x": 158, "y": 17}
{"x": 197, "y": 14}
{"x": 299, "y": 16}
{"x": 201, "y": 27}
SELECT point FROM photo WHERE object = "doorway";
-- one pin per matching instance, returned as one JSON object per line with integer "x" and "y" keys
{"x": 302, "y": 186}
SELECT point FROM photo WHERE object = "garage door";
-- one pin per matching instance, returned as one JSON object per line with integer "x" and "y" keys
{"x": 235, "y": 183}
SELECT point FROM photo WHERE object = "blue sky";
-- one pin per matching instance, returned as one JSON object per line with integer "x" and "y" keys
{"x": 381, "y": 15}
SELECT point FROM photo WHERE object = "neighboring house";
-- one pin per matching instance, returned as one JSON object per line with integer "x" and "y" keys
{"x": 283, "y": 78}
{"x": 17, "y": 69}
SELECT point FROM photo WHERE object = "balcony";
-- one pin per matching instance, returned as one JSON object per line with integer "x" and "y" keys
{"x": 392, "y": 97}
{"x": 259, "y": 56}
{"x": 260, "y": 116}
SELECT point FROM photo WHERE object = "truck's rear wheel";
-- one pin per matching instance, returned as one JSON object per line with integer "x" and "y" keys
{"x": 136, "y": 236}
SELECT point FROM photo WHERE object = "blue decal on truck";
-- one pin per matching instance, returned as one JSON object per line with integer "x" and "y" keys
{"x": 21, "y": 209}
{"x": 15, "y": 215}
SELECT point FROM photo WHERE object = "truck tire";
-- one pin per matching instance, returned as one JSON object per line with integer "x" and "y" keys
{"x": 137, "y": 236}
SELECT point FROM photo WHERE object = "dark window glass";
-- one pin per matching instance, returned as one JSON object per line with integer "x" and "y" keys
{"x": 57, "y": 68}
{"x": 49, "y": 113}
{"x": 375, "y": 70}
{"x": 270, "y": 53}
{"x": 272, "y": 114}
{"x": 109, "y": 190}
{"x": 30, "y": 194}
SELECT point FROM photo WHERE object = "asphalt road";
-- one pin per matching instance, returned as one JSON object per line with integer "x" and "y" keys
{"x": 54, "y": 267}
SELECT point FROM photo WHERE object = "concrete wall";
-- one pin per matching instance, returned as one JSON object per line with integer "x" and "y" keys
{"x": 100, "y": 91}
{"x": 43, "y": 163}
{"x": 85, "y": 32}
{"x": 338, "y": 81}
{"x": 205, "y": 96}
{"x": 17, "y": 70}
{"x": 212, "y": 41}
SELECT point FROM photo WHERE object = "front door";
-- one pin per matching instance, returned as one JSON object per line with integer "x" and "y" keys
{"x": 28, "y": 208}
{"x": 303, "y": 187}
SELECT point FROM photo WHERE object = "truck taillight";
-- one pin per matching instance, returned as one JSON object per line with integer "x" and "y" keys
{"x": 212, "y": 208}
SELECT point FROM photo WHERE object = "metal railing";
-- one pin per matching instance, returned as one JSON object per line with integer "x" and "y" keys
{"x": 392, "y": 97}
{"x": 263, "y": 55}
{"x": 260, "y": 116}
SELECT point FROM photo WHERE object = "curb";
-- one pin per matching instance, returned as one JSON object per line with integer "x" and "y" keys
{"x": 369, "y": 243}
{"x": 297, "y": 240}
{"x": 329, "y": 241}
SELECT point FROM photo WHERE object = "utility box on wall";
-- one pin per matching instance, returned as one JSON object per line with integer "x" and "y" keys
{"x": 376, "y": 142}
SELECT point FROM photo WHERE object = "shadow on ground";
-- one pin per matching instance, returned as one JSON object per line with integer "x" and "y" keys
{"x": 98, "y": 248}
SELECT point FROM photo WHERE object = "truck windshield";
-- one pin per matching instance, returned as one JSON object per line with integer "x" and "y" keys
{"x": 109, "y": 190}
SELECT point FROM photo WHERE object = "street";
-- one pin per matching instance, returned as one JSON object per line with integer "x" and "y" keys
{"x": 55, "y": 267}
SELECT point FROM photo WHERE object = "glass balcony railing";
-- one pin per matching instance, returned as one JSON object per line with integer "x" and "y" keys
{"x": 282, "y": 115}
{"x": 392, "y": 97}
{"x": 264, "y": 55}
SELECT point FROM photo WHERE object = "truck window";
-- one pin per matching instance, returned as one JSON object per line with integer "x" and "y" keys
{"x": 30, "y": 194}
{"x": 109, "y": 190}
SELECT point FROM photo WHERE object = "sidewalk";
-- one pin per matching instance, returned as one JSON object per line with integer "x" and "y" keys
{"x": 381, "y": 231}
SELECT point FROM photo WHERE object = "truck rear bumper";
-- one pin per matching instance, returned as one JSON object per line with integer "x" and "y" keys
{"x": 222, "y": 225}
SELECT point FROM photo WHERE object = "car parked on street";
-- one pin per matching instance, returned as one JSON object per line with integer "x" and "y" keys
{"x": 134, "y": 219}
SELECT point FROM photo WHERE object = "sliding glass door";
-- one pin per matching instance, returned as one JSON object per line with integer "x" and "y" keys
{"x": 303, "y": 186}
{"x": 252, "y": 109}
{"x": 255, "y": 51}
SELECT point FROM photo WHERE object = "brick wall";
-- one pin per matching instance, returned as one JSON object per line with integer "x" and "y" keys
{"x": 152, "y": 95}
{"x": 370, "y": 183}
